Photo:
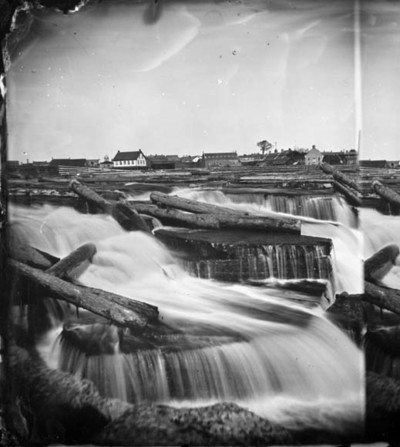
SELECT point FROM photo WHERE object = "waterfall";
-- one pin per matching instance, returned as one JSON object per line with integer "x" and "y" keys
{"x": 346, "y": 238}
{"x": 328, "y": 208}
{"x": 229, "y": 342}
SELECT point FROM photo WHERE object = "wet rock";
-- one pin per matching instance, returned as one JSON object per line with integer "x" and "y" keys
{"x": 350, "y": 314}
{"x": 91, "y": 339}
{"x": 382, "y": 351}
{"x": 382, "y": 408}
{"x": 62, "y": 408}
{"x": 220, "y": 424}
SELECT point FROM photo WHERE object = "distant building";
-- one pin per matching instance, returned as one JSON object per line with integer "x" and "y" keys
{"x": 333, "y": 158}
{"x": 69, "y": 166}
{"x": 393, "y": 164}
{"x": 220, "y": 159}
{"x": 93, "y": 163}
{"x": 373, "y": 164}
{"x": 12, "y": 165}
{"x": 313, "y": 157}
{"x": 163, "y": 161}
{"x": 351, "y": 157}
{"x": 130, "y": 160}
{"x": 106, "y": 164}
{"x": 283, "y": 158}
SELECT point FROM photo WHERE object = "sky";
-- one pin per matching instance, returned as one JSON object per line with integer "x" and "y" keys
{"x": 206, "y": 77}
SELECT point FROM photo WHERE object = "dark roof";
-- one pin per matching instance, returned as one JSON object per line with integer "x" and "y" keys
{"x": 220, "y": 155}
{"x": 333, "y": 159}
{"x": 373, "y": 163}
{"x": 68, "y": 162}
{"x": 130, "y": 155}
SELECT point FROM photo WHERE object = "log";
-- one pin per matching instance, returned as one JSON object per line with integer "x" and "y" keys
{"x": 193, "y": 206}
{"x": 221, "y": 221}
{"x": 380, "y": 263}
{"x": 383, "y": 297}
{"x": 386, "y": 193}
{"x": 120, "y": 310}
{"x": 65, "y": 266}
{"x": 129, "y": 219}
{"x": 340, "y": 177}
{"x": 351, "y": 197}
{"x": 90, "y": 196}
{"x": 31, "y": 256}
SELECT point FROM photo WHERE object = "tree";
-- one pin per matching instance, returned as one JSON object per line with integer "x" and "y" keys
{"x": 264, "y": 145}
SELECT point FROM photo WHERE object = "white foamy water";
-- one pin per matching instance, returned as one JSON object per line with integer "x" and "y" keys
{"x": 337, "y": 222}
{"x": 380, "y": 230}
{"x": 284, "y": 361}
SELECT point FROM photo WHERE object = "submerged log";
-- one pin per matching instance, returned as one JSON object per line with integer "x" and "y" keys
{"x": 380, "y": 263}
{"x": 193, "y": 206}
{"x": 222, "y": 220}
{"x": 386, "y": 193}
{"x": 128, "y": 218}
{"x": 65, "y": 266}
{"x": 351, "y": 197}
{"x": 121, "y": 310}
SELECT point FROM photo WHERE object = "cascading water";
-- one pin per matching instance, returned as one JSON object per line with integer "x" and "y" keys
{"x": 340, "y": 227}
{"x": 328, "y": 208}
{"x": 233, "y": 342}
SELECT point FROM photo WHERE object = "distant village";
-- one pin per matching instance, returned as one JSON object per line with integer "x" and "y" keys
{"x": 138, "y": 160}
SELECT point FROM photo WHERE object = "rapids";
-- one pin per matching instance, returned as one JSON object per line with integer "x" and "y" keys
{"x": 272, "y": 355}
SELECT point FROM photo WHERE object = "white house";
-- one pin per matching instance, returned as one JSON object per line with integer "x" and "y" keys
{"x": 132, "y": 159}
{"x": 313, "y": 157}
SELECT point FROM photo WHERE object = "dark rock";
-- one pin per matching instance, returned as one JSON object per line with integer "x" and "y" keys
{"x": 220, "y": 424}
{"x": 62, "y": 407}
{"x": 349, "y": 313}
{"x": 382, "y": 351}
{"x": 382, "y": 408}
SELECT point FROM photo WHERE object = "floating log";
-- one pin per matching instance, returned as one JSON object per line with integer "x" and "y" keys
{"x": 65, "y": 266}
{"x": 340, "y": 177}
{"x": 386, "y": 193}
{"x": 120, "y": 310}
{"x": 222, "y": 220}
{"x": 128, "y": 218}
{"x": 350, "y": 196}
{"x": 380, "y": 263}
{"x": 193, "y": 206}
{"x": 90, "y": 196}
{"x": 383, "y": 297}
